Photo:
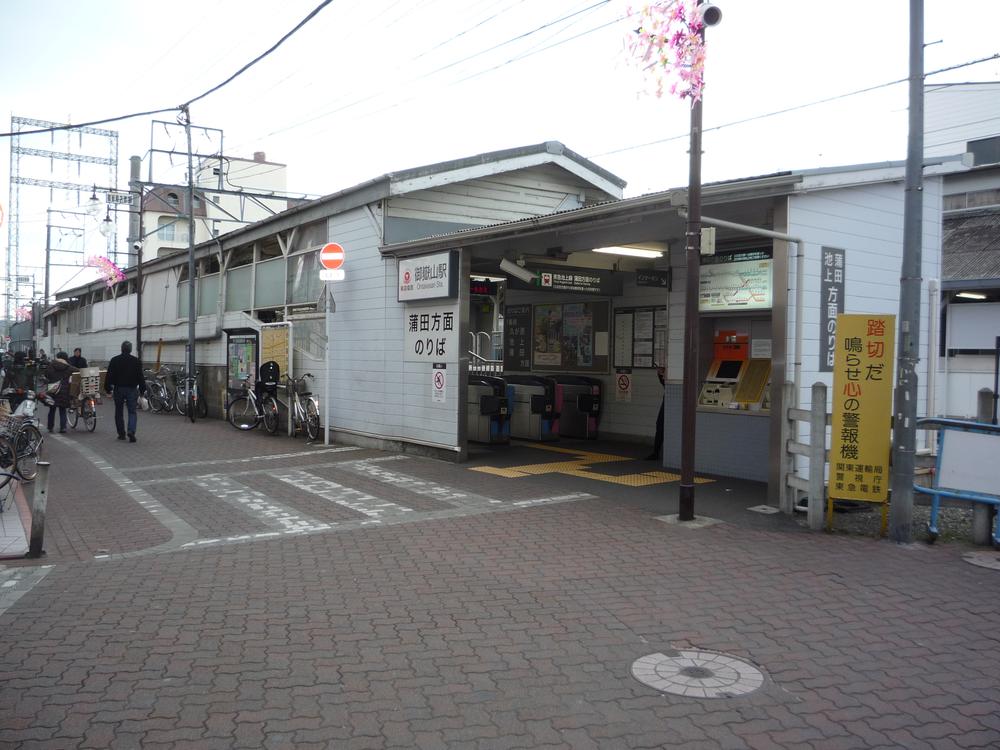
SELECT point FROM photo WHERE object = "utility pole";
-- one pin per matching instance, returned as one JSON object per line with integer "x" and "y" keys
{"x": 710, "y": 16}
{"x": 904, "y": 443}
{"x": 135, "y": 241}
{"x": 192, "y": 306}
{"x": 48, "y": 253}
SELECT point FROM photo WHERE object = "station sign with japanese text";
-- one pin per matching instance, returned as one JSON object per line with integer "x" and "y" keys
{"x": 862, "y": 407}
{"x": 571, "y": 279}
{"x": 831, "y": 304}
{"x": 432, "y": 276}
{"x": 430, "y": 333}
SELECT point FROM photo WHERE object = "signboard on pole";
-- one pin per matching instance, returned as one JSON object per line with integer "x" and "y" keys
{"x": 331, "y": 256}
{"x": 862, "y": 407}
{"x": 831, "y": 304}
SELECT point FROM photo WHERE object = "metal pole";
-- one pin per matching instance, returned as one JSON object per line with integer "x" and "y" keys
{"x": 38, "y": 503}
{"x": 908, "y": 351}
{"x": 689, "y": 395}
{"x": 982, "y": 514}
{"x": 996, "y": 378}
{"x": 326, "y": 386}
{"x": 135, "y": 240}
{"x": 48, "y": 254}
{"x": 192, "y": 308}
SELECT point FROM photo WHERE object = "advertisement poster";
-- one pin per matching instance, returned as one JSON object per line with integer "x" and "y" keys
{"x": 578, "y": 336}
{"x": 548, "y": 335}
{"x": 862, "y": 407}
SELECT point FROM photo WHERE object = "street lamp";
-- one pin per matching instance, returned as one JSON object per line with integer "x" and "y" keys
{"x": 93, "y": 205}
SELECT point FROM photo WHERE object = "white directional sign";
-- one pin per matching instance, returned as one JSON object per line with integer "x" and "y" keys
{"x": 332, "y": 274}
{"x": 430, "y": 333}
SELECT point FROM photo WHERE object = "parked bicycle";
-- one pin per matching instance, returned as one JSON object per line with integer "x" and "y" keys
{"x": 302, "y": 406}
{"x": 248, "y": 410}
{"x": 189, "y": 401}
{"x": 8, "y": 486}
{"x": 21, "y": 429}
{"x": 161, "y": 397}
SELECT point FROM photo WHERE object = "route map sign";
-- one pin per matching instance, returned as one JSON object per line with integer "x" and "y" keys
{"x": 738, "y": 280}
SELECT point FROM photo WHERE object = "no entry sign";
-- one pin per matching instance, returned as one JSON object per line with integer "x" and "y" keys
{"x": 331, "y": 256}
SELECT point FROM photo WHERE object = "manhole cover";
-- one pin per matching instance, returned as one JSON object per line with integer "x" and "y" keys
{"x": 698, "y": 674}
{"x": 984, "y": 559}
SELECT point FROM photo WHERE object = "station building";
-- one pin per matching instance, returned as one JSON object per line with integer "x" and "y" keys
{"x": 528, "y": 264}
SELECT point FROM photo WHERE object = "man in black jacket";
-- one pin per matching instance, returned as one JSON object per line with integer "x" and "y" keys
{"x": 78, "y": 360}
{"x": 125, "y": 377}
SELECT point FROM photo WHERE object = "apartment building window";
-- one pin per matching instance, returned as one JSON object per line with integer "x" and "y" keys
{"x": 172, "y": 229}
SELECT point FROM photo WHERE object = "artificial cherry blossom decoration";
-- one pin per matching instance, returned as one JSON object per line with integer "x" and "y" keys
{"x": 22, "y": 313}
{"x": 106, "y": 267}
{"x": 668, "y": 44}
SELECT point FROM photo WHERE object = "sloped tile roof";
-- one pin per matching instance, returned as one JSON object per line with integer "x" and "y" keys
{"x": 971, "y": 245}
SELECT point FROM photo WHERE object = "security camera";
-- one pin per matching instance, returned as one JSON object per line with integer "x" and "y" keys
{"x": 710, "y": 14}
{"x": 137, "y": 245}
{"x": 512, "y": 269}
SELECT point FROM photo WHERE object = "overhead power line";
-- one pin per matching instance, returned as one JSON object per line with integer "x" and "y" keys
{"x": 995, "y": 56}
{"x": 189, "y": 102}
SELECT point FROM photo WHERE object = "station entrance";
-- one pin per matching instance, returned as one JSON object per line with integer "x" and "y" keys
{"x": 576, "y": 344}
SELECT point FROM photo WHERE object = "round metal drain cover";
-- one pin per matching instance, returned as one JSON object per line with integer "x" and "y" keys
{"x": 983, "y": 558}
{"x": 698, "y": 674}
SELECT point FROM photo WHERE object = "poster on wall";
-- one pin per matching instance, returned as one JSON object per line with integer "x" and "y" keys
{"x": 548, "y": 336}
{"x": 517, "y": 337}
{"x": 831, "y": 304}
{"x": 571, "y": 337}
{"x": 578, "y": 336}
{"x": 862, "y": 407}
{"x": 736, "y": 280}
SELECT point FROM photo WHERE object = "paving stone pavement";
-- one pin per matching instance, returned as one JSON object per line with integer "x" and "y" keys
{"x": 415, "y": 604}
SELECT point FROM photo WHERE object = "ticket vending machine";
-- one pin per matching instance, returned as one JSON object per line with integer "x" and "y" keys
{"x": 578, "y": 403}
{"x": 489, "y": 410}
{"x": 533, "y": 410}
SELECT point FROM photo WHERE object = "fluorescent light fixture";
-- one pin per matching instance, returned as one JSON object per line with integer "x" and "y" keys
{"x": 486, "y": 277}
{"x": 971, "y": 295}
{"x": 634, "y": 252}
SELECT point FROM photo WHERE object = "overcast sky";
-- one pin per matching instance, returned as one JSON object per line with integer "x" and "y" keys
{"x": 371, "y": 86}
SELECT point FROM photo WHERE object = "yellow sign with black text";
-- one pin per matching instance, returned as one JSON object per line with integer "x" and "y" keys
{"x": 862, "y": 407}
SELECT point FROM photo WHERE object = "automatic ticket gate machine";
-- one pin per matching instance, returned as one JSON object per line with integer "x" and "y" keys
{"x": 533, "y": 410}
{"x": 489, "y": 401}
{"x": 578, "y": 403}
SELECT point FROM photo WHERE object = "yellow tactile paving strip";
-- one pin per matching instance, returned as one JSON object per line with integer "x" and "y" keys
{"x": 581, "y": 467}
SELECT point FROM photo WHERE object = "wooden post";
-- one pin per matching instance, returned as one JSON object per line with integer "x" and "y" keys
{"x": 38, "y": 502}
{"x": 817, "y": 456}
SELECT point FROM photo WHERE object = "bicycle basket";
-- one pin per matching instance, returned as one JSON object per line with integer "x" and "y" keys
{"x": 301, "y": 386}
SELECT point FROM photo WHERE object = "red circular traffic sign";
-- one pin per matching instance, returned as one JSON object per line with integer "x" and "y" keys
{"x": 331, "y": 256}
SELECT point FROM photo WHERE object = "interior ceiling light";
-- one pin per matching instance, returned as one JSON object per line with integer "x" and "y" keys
{"x": 634, "y": 252}
{"x": 971, "y": 295}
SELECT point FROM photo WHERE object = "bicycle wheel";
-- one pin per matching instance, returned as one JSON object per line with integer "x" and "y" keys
{"x": 26, "y": 446}
{"x": 169, "y": 399}
{"x": 312, "y": 419}
{"x": 192, "y": 405}
{"x": 180, "y": 400}
{"x": 8, "y": 460}
{"x": 269, "y": 410}
{"x": 72, "y": 416}
{"x": 155, "y": 395}
{"x": 90, "y": 414}
{"x": 241, "y": 414}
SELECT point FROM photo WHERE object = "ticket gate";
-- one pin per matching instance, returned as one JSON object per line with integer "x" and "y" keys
{"x": 533, "y": 410}
{"x": 489, "y": 410}
{"x": 578, "y": 401}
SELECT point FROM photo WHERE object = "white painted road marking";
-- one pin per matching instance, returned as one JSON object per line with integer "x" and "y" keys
{"x": 356, "y": 500}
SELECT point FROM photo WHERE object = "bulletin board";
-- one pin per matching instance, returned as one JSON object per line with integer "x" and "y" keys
{"x": 571, "y": 337}
{"x": 640, "y": 337}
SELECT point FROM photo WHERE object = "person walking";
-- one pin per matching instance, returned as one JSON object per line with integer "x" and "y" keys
{"x": 78, "y": 360}
{"x": 124, "y": 378}
{"x": 59, "y": 371}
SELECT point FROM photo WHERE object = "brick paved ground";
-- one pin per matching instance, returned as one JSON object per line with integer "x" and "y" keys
{"x": 415, "y": 605}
